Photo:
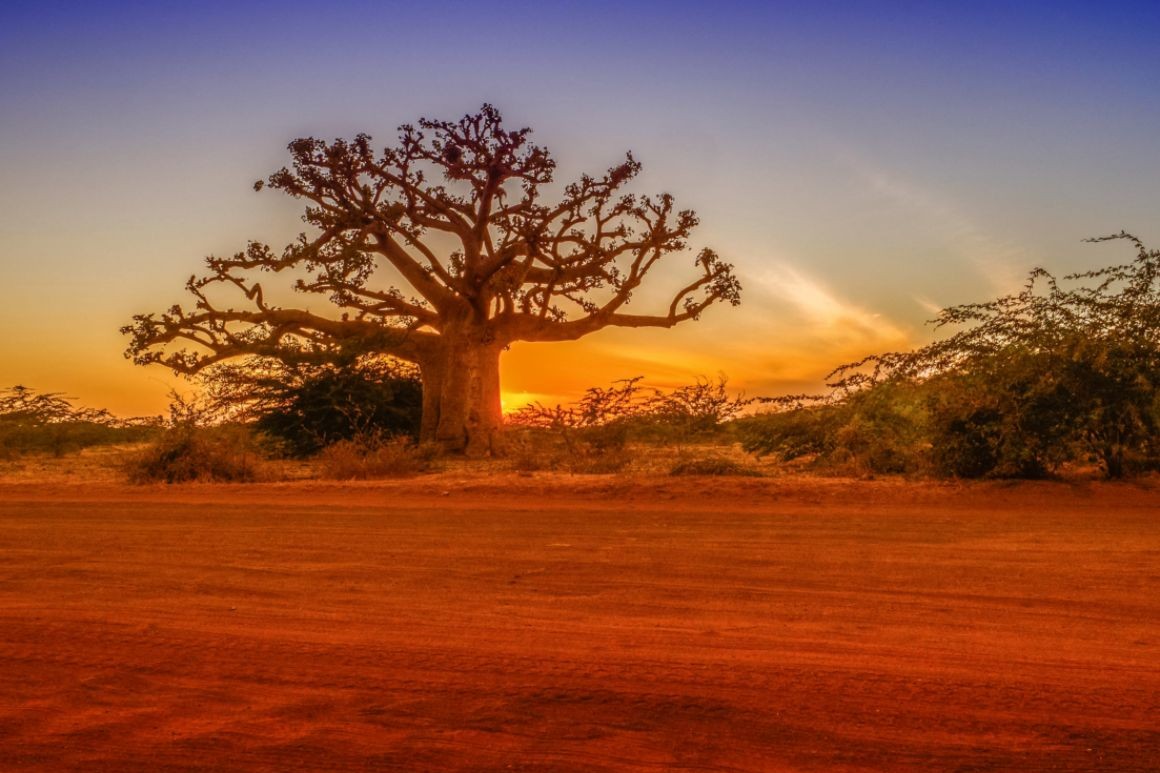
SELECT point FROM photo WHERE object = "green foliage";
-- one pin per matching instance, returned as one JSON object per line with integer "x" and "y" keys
{"x": 873, "y": 431}
{"x": 47, "y": 423}
{"x": 309, "y": 405}
{"x": 1004, "y": 415}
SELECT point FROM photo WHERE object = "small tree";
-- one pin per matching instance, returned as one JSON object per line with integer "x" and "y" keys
{"x": 442, "y": 251}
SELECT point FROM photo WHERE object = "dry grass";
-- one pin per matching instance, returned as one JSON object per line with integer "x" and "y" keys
{"x": 98, "y": 464}
{"x": 370, "y": 458}
{"x": 350, "y": 461}
{"x": 713, "y": 465}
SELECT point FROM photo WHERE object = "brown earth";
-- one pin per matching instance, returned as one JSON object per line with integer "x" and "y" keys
{"x": 509, "y": 623}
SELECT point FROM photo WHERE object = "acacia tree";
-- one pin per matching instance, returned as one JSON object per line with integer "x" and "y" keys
{"x": 440, "y": 251}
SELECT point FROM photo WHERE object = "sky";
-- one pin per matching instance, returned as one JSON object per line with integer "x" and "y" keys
{"x": 862, "y": 164}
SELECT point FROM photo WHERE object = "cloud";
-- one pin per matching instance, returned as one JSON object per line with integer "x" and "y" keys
{"x": 1002, "y": 263}
{"x": 828, "y": 317}
{"x": 791, "y": 330}
{"x": 929, "y": 306}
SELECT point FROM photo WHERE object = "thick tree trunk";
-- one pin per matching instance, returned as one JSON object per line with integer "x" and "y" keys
{"x": 461, "y": 405}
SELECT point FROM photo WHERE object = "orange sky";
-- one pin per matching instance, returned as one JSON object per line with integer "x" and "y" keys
{"x": 860, "y": 168}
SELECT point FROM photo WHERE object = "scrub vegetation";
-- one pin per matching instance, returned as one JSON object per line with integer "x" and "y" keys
{"x": 33, "y": 422}
{"x": 1056, "y": 378}
{"x": 1064, "y": 372}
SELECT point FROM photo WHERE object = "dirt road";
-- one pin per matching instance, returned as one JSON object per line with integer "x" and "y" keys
{"x": 453, "y": 624}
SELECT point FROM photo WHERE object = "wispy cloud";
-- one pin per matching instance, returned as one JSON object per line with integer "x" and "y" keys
{"x": 827, "y": 316}
{"x": 1002, "y": 263}
{"x": 929, "y": 306}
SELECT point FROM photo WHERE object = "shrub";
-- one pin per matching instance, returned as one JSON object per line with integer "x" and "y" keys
{"x": 1063, "y": 370}
{"x": 312, "y": 405}
{"x": 713, "y": 466}
{"x": 208, "y": 454}
{"x": 375, "y": 456}
{"x": 196, "y": 446}
{"x": 592, "y": 435}
{"x": 1005, "y": 417}
{"x": 880, "y": 430}
{"x": 691, "y": 412}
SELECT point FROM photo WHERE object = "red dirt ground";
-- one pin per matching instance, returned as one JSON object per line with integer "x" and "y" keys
{"x": 455, "y": 623}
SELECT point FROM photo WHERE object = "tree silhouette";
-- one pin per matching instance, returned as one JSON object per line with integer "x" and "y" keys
{"x": 440, "y": 251}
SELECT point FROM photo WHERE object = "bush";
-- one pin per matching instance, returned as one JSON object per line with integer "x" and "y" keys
{"x": 309, "y": 405}
{"x": 375, "y": 456}
{"x": 67, "y": 437}
{"x": 207, "y": 454}
{"x": 197, "y": 446}
{"x": 1005, "y": 417}
{"x": 1064, "y": 370}
{"x": 589, "y": 437}
{"x": 880, "y": 430}
{"x": 713, "y": 466}
{"x": 695, "y": 411}
{"x": 586, "y": 451}
{"x": 592, "y": 435}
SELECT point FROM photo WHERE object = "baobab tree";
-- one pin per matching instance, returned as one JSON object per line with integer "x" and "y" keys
{"x": 440, "y": 251}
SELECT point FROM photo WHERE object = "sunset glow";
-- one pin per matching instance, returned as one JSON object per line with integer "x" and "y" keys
{"x": 861, "y": 169}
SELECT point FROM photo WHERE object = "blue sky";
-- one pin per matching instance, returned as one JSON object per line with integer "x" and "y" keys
{"x": 863, "y": 164}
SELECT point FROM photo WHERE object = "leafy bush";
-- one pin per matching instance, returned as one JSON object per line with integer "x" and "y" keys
{"x": 879, "y": 430}
{"x": 1000, "y": 417}
{"x": 310, "y": 405}
{"x": 1062, "y": 371}
{"x": 792, "y": 433}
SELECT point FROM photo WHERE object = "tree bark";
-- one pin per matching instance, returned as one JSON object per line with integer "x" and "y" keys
{"x": 461, "y": 397}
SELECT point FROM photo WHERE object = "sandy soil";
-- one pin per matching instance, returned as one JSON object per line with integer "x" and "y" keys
{"x": 548, "y": 623}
